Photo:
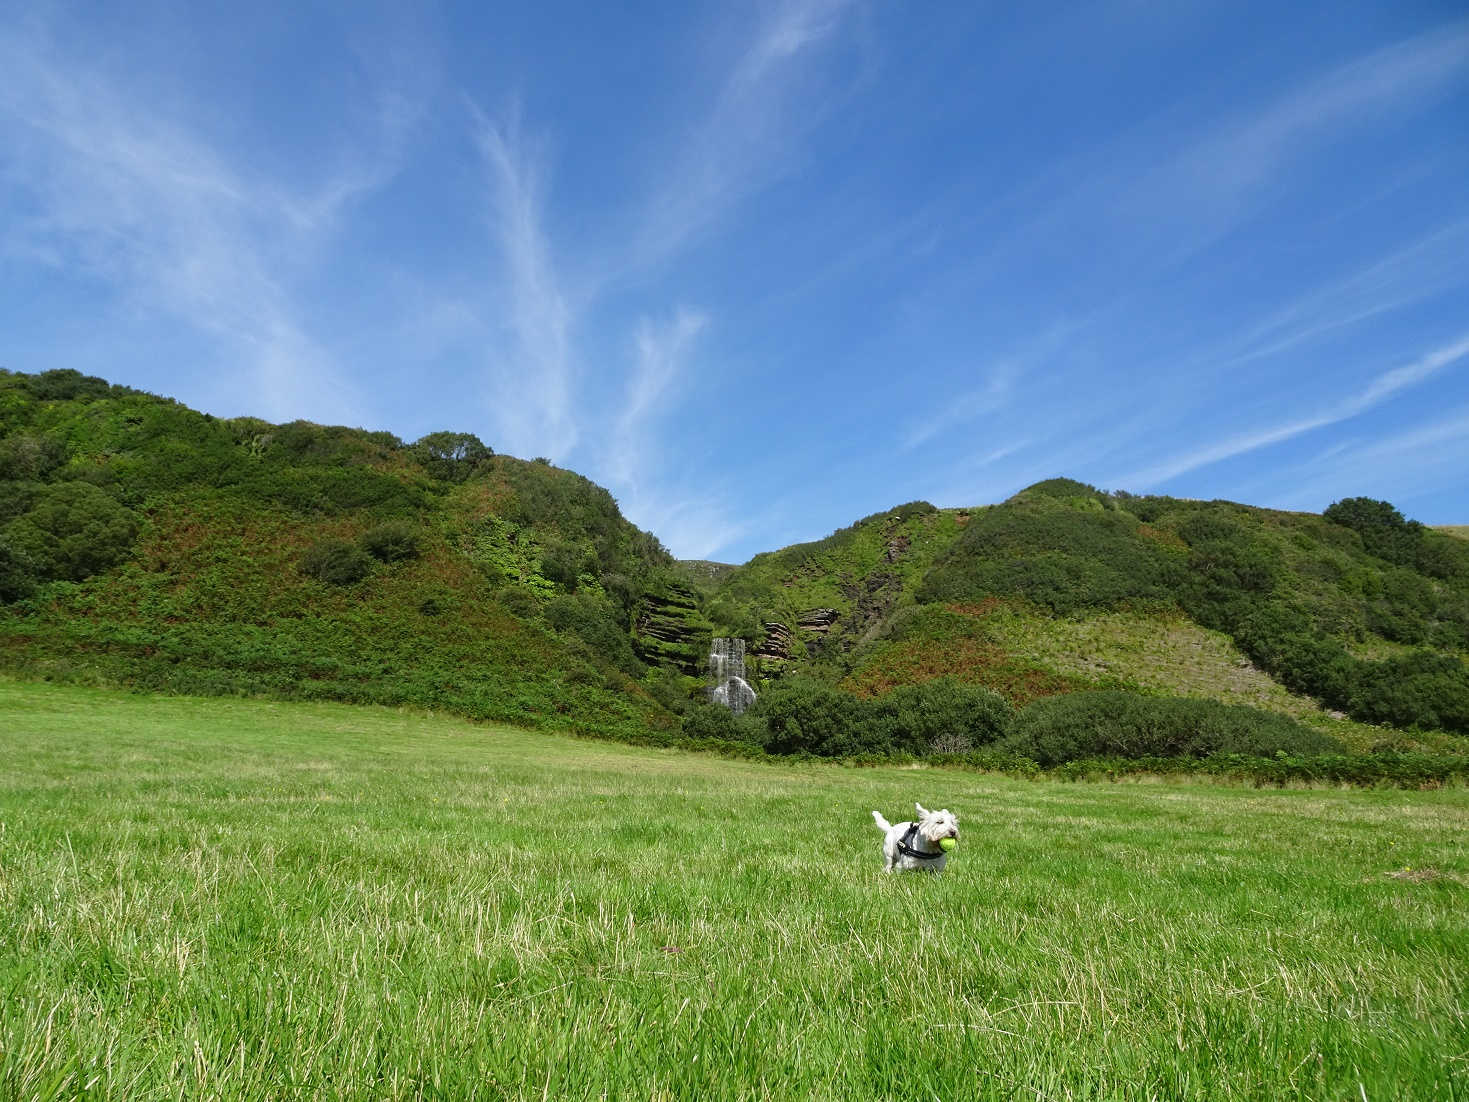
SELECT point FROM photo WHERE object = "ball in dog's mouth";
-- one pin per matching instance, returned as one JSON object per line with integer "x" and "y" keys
{"x": 947, "y": 844}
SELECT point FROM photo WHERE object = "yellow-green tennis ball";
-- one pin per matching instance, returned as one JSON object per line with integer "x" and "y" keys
{"x": 948, "y": 844}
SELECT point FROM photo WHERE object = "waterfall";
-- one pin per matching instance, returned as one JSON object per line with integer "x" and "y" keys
{"x": 727, "y": 675}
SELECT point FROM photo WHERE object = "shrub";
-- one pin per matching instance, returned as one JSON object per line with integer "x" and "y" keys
{"x": 1384, "y": 531}
{"x": 72, "y": 531}
{"x": 336, "y": 562}
{"x": 30, "y": 456}
{"x": 66, "y": 383}
{"x": 1057, "y": 556}
{"x": 672, "y": 689}
{"x": 17, "y": 573}
{"x": 714, "y": 722}
{"x": 594, "y": 621}
{"x": 941, "y": 716}
{"x": 450, "y": 456}
{"x": 1422, "y": 689}
{"x": 393, "y": 541}
{"x": 564, "y": 563}
{"x": 1125, "y": 725}
{"x": 807, "y": 717}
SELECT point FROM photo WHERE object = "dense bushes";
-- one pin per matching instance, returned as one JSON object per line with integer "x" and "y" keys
{"x": 1423, "y": 689}
{"x": 67, "y": 531}
{"x": 1234, "y": 586}
{"x": 451, "y": 456}
{"x": 336, "y": 562}
{"x": 943, "y": 717}
{"x": 30, "y": 456}
{"x": 1055, "y": 555}
{"x": 802, "y": 716}
{"x": 598, "y": 624}
{"x": 1093, "y": 735}
{"x": 1111, "y": 724}
{"x": 1294, "y": 592}
{"x": 1386, "y": 534}
{"x": 392, "y": 542}
{"x": 17, "y": 573}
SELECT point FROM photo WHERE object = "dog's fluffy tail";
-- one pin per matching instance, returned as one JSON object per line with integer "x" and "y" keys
{"x": 882, "y": 824}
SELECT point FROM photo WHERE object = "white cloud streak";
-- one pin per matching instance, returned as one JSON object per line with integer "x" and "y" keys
{"x": 121, "y": 187}
{"x": 533, "y": 384}
{"x": 964, "y": 408}
{"x": 1383, "y": 387}
{"x": 662, "y": 353}
{"x": 745, "y": 140}
{"x": 1413, "y": 462}
{"x": 1214, "y": 183}
{"x": 740, "y": 145}
{"x": 695, "y": 522}
{"x": 1409, "y": 275}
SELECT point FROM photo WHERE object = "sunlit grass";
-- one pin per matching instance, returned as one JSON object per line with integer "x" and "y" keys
{"x": 223, "y": 898}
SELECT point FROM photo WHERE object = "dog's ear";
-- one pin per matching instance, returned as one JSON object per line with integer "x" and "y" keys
{"x": 922, "y": 811}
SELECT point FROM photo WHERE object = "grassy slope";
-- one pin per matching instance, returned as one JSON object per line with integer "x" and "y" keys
{"x": 1459, "y": 530}
{"x": 249, "y": 899}
{"x": 209, "y": 598}
{"x": 1165, "y": 653}
{"x": 1024, "y": 650}
{"x": 863, "y": 572}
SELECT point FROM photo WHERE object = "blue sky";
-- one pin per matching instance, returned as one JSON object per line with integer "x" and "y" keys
{"x": 764, "y": 268}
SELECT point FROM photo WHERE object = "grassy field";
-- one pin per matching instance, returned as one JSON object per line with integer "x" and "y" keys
{"x": 237, "y": 899}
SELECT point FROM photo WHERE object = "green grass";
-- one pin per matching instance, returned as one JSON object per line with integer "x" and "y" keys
{"x": 243, "y": 899}
{"x": 1169, "y": 653}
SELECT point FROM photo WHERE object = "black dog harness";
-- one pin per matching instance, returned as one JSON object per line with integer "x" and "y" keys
{"x": 905, "y": 846}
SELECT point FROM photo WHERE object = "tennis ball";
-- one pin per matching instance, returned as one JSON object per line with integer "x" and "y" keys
{"x": 948, "y": 844}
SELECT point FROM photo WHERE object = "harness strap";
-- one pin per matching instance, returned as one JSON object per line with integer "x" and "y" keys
{"x": 905, "y": 846}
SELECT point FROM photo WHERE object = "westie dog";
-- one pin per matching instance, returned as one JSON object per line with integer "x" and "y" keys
{"x": 915, "y": 845}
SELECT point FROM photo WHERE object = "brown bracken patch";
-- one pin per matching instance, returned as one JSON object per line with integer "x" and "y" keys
{"x": 1416, "y": 876}
{"x": 972, "y": 661}
{"x": 983, "y": 608}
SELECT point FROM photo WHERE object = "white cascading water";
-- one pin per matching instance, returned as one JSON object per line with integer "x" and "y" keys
{"x": 727, "y": 672}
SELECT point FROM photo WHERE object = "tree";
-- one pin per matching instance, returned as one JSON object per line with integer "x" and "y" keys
{"x": 450, "y": 456}
{"x": 1383, "y": 530}
{"x": 72, "y": 531}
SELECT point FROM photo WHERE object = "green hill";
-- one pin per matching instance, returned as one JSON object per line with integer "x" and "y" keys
{"x": 147, "y": 545}
{"x": 1064, "y": 588}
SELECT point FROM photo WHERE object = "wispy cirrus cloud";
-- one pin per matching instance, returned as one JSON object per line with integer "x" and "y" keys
{"x": 741, "y": 143}
{"x": 1407, "y": 275}
{"x": 662, "y": 358}
{"x": 766, "y": 101}
{"x": 118, "y": 183}
{"x": 533, "y": 374}
{"x": 961, "y": 409}
{"x": 1150, "y": 199}
{"x": 1215, "y": 181}
{"x": 1418, "y": 460}
{"x": 1379, "y": 390}
{"x": 693, "y": 516}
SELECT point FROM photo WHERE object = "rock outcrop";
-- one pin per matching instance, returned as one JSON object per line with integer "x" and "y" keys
{"x": 670, "y": 629}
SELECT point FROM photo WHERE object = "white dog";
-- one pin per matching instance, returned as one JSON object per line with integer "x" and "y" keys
{"x": 915, "y": 845}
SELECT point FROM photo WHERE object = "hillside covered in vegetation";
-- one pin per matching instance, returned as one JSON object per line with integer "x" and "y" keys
{"x": 146, "y": 545}
{"x": 1355, "y": 623}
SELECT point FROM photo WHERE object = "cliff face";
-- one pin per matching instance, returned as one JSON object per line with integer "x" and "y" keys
{"x": 670, "y": 629}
